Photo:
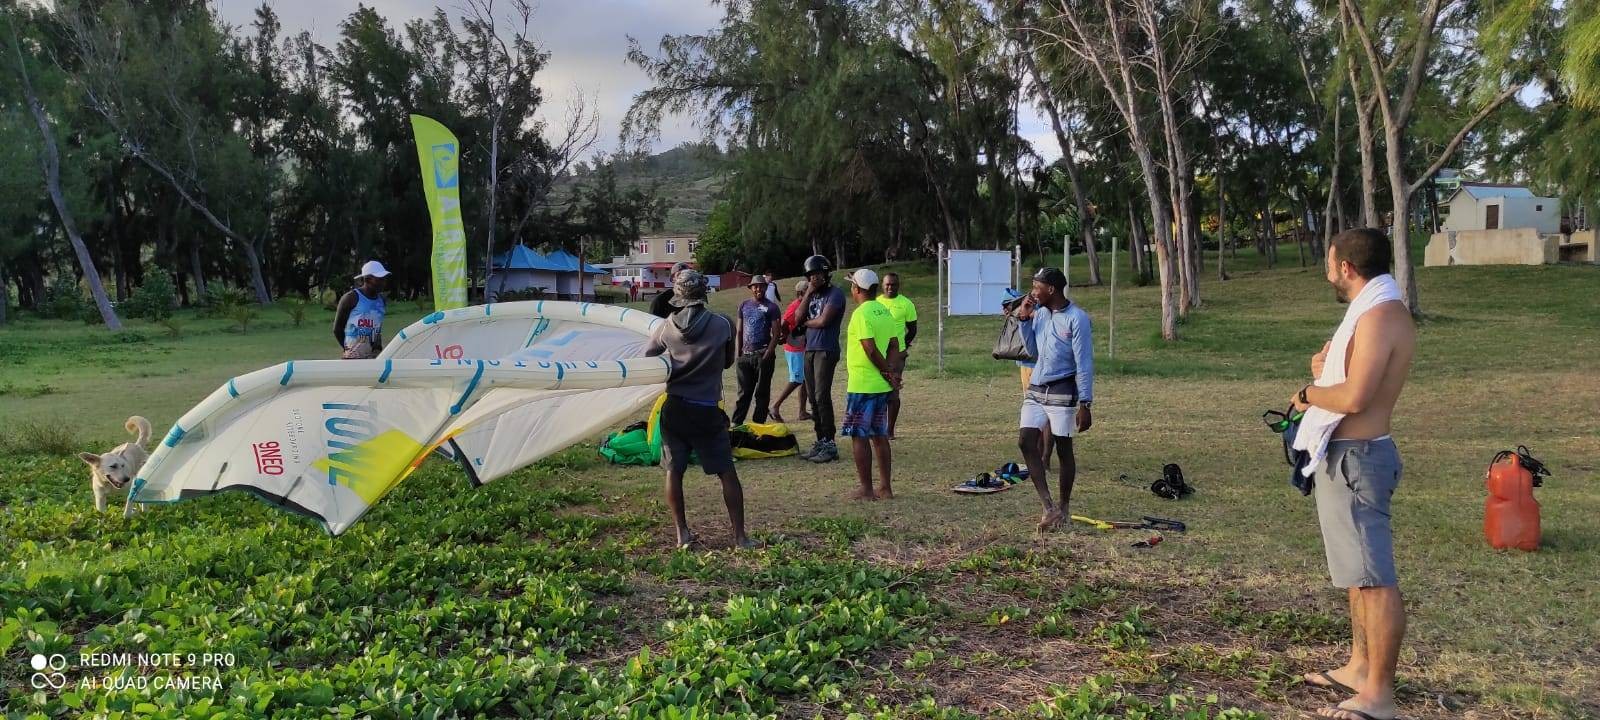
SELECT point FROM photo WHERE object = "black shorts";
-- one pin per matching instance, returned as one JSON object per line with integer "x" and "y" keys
{"x": 702, "y": 429}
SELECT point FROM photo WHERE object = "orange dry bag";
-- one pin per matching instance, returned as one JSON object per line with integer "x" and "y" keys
{"x": 1511, "y": 515}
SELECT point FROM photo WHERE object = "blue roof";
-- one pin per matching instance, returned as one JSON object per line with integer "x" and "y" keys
{"x": 569, "y": 262}
{"x": 521, "y": 257}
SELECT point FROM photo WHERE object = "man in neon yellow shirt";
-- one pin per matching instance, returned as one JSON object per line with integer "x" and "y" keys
{"x": 904, "y": 311}
{"x": 872, "y": 354}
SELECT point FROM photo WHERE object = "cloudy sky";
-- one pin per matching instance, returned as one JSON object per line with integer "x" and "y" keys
{"x": 586, "y": 40}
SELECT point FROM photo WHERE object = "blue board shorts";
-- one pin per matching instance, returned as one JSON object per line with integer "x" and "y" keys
{"x": 1353, "y": 488}
{"x": 866, "y": 415}
{"x": 797, "y": 365}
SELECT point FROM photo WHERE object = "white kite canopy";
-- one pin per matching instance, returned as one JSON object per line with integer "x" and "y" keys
{"x": 498, "y": 386}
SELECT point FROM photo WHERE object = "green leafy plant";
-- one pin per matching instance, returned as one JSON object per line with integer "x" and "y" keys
{"x": 220, "y": 296}
{"x": 173, "y": 326}
{"x": 242, "y": 315}
{"x": 297, "y": 308}
{"x": 1131, "y": 632}
{"x": 532, "y": 293}
{"x": 64, "y": 300}
{"x": 154, "y": 300}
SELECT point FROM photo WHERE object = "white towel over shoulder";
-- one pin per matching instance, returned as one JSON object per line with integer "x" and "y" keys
{"x": 1318, "y": 424}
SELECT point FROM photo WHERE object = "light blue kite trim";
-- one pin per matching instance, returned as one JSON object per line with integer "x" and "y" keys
{"x": 539, "y": 309}
{"x": 388, "y": 366}
{"x": 624, "y": 367}
{"x": 488, "y": 309}
{"x": 433, "y": 317}
{"x": 232, "y": 391}
{"x": 174, "y": 435}
{"x": 583, "y": 309}
{"x": 288, "y": 372}
{"x": 402, "y": 333}
{"x": 624, "y": 313}
{"x": 471, "y": 386}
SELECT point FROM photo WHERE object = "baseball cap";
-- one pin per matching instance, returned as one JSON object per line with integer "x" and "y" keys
{"x": 373, "y": 268}
{"x": 864, "y": 278}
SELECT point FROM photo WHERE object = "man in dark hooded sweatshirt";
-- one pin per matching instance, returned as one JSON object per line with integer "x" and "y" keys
{"x": 700, "y": 345}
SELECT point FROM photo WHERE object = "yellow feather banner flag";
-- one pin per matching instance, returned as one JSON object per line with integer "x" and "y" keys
{"x": 438, "y": 153}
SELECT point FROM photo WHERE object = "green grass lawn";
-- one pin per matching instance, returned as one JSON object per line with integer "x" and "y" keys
{"x": 556, "y": 592}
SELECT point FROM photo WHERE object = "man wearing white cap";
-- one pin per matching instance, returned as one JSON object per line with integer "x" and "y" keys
{"x": 358, "y": 324}
{"x": 873, "y": 359}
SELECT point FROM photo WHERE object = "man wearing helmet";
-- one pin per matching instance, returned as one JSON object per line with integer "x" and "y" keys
{"x": 1056, "y": 332}
{"x": 824, "y": 309}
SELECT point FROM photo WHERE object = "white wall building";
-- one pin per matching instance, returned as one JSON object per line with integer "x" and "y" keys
{"x": 1494, "y": 206}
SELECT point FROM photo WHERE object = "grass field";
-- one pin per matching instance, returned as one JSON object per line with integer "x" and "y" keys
{"x": 556, "y": 592}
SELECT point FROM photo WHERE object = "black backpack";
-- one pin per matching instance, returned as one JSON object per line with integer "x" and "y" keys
{"x": 1171, "y": 485}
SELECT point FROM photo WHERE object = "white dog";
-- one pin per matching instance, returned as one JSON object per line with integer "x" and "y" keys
{"x": 115, "y": 469}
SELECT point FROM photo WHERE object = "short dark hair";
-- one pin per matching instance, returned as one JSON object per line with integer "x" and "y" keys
{"x": 1368, "y": 250}
{"x": 894, "y": 275}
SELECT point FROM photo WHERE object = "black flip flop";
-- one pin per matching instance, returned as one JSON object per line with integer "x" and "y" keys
{"x": 1332, "y": 684}
{"x": 1352, "y": 711}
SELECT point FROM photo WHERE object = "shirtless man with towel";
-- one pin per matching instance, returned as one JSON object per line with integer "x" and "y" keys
{"x": 1356, "y": 467}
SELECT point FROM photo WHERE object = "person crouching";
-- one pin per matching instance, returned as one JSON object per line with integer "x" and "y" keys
{"x": 700, "y": 345}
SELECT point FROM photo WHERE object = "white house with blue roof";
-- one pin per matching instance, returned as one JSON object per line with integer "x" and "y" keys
{"x": 522, "y": 268}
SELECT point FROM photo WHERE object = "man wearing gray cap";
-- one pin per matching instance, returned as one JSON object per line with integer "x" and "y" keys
{"x": 700, "y": 345}
{"x": 661, "y": 305}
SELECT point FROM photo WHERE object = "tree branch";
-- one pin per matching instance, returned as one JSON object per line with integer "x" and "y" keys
{"x": 1451, "y": 147}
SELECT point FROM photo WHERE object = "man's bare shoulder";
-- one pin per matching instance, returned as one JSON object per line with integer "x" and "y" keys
{"x": 1394, "y": 319}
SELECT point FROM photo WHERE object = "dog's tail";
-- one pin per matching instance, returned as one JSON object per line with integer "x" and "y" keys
{"x": 140, "y": 427}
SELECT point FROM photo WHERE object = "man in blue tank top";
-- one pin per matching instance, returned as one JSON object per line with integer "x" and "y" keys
{"x": 358, "y": 324}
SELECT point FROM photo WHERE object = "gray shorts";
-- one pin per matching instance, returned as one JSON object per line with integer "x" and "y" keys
{"x": 1353, "y": 490}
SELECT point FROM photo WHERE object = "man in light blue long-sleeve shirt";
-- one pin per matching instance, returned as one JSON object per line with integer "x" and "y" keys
{"x": 1061, "y": 390}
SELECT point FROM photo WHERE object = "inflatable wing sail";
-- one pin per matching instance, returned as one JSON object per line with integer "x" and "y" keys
{"x": 502, "y": 386}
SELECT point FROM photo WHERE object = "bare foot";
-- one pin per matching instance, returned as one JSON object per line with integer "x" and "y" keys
{"x": 687, "y": 539}
{"x": 1050, "y": 520}
{"x": 746, "y": 544}
{"x": 1357, "y": 709}
{"x": 804, "y": 416}
{"x": 885, "y": 492}
{"x": 1336, "y": 680}
{"x": 863, "y": 493}
{"x": 773, "y": 413}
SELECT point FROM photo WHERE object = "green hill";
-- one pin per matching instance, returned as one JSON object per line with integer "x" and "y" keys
{"x": 689, "y": 176}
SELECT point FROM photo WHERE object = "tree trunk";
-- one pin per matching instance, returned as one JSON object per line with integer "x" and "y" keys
{"x": 50, "y": 160}
{"x": 197, "y": 268}
{"x": 5, "y": 294}
{"x": 1399, "y": 233}
{"x": 1365, "y": 140}
{"x": 1079, "y": 197}
{"x": 494, "y": 186}
{"x": 1331, "y": 209}
{"x": 1222, "y": 220}
{"x": 259, "y": 283}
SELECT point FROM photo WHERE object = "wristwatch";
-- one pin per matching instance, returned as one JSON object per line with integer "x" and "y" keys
{"x": 1303, "y": 399}
{"x": 1085, "y": 403}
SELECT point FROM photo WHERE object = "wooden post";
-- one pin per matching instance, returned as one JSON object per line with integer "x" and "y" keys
{"x": 939, "y": 307}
